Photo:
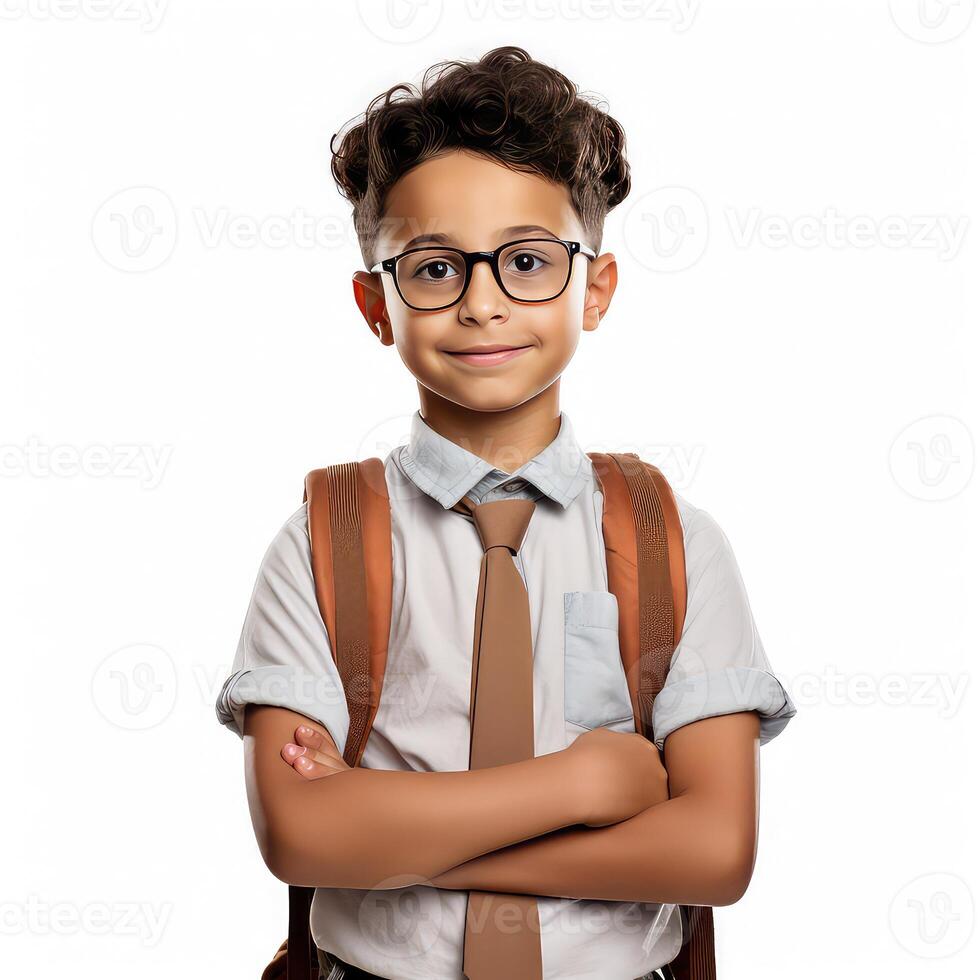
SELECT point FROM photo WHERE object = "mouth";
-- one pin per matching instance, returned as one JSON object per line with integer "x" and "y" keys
{"x": 486, "y": 355}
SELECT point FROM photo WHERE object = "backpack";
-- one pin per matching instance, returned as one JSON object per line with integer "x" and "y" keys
{"x": 350, "y": 538}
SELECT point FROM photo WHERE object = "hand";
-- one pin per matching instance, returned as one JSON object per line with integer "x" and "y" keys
{"x": 312, "y": 754}
{"x": 621, "y": 775}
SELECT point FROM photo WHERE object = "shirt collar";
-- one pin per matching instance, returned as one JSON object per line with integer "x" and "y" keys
{"x": 447, "y": 472}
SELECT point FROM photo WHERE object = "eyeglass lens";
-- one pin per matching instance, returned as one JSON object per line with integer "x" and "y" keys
{"x": 530, "y": 270}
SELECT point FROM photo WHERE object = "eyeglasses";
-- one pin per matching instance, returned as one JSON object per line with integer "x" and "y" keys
{"x": 529, "y": 270}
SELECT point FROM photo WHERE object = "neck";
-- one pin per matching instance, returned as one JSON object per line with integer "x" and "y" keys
{"x": 506, "y": 438}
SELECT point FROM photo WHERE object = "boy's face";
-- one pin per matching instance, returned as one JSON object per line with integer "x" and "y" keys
{"x": 479, "y": 204}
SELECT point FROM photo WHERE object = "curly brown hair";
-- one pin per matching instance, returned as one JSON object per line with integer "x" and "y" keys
{"x": 524, "y": 114}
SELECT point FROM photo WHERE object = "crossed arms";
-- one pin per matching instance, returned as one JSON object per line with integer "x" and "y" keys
{"x": 603, "y": 818}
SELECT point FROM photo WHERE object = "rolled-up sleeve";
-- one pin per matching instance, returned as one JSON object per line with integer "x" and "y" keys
{"x": 719, "y": 666}
{"x": 284, "y": 656}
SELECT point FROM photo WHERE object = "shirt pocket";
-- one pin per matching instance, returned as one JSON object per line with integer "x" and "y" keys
{"x": 596, "y": 692}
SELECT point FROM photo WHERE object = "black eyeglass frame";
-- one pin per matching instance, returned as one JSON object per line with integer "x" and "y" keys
{"x": 471, "y": 258}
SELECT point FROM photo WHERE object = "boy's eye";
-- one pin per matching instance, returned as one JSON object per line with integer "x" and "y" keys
{"x": 435, "y": 270}
{"x": 524, "y": 262}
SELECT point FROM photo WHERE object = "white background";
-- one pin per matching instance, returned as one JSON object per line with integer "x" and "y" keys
{"x": 793, "y": 340}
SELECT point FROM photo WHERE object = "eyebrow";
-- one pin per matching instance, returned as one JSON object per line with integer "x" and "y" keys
{"x": 440, "y": 239}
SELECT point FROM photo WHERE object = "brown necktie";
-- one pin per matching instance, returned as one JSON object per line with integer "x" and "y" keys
{"x": 502, "y": 938}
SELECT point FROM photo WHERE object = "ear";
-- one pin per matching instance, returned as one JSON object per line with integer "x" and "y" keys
{"x": 599, "y": 290}
{"x": 369, "y": 295}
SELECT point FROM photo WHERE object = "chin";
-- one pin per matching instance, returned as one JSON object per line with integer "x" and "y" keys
{"x": 484, "y": 397}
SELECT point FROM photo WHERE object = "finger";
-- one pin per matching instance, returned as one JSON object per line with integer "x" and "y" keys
{"x": 293, "y": 753}
{"x": 309, "y": 769}
{"x": 312, "y": 739}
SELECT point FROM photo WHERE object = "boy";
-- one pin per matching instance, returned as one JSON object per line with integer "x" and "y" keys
{"x": 501, "y": 157}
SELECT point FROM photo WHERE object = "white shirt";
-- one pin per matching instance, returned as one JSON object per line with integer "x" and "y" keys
{"x": 422, "y": 722}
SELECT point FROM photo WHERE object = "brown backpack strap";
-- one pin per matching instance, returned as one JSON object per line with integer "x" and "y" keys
{"x": 301, "y": 959}
{"x": 696, "y": 959}
{"x": 645, "y": 565}
{"x": 350, "y": 541}
{"x": 644, "y": 543}
{"x": 349, "y": 520}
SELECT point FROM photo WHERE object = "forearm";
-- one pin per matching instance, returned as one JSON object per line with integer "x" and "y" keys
{"x": 364, "y": 828}
{"x": 678, "y": 851}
